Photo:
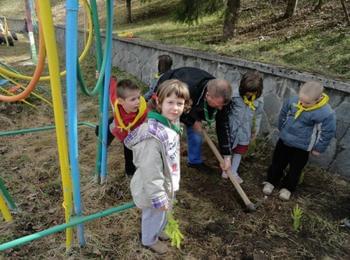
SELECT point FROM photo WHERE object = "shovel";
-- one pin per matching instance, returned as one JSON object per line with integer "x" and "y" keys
{"x": 250, "y": 206}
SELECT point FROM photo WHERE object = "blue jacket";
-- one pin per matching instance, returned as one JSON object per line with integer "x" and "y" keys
{"x": 241, "y": 119}
{"x": 312, "y": 130}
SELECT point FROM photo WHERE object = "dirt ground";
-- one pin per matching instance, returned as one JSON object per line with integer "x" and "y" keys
{"x": 211, "y": 214}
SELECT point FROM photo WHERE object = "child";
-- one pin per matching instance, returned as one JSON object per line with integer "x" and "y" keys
{"x": 245, "y": 104}
{"x": 129, "y": 111}
{"x": 164, "y": 64}
{"x": 156, "y": 150}
{"x": 306, "y": 124}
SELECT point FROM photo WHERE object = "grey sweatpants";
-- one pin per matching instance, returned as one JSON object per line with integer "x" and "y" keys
{"x": 153, "y": 223}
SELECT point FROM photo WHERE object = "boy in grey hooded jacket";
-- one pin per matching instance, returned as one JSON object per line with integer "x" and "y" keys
{"x": 306, "y": 124}
{"x": 245, "y": 114}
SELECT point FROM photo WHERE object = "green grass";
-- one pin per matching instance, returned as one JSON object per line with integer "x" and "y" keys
{"x": 326, "y": 53}
{"x": 312, "y": 42}
{"x": 314, "y": 45}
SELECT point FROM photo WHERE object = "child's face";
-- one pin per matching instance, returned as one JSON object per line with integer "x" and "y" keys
{"x": 172, "y": 107}
{"x": 306, "y": 101}
{"x": 131, "y": 101}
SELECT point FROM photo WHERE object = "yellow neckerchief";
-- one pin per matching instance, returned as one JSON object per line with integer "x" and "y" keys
{"x": 319, "y": 104}
{"x": 140, "y": 113}
{"x": 249, "y": 103}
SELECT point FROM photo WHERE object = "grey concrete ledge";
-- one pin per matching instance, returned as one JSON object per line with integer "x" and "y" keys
{"x": 276, "y": 70}
{"x": 262, "y": 67}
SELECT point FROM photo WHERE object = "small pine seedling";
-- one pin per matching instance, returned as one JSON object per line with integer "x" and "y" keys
{"x": 297, "y": 214}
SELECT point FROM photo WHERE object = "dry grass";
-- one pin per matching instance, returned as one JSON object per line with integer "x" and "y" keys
{"x": 210, "y": 212}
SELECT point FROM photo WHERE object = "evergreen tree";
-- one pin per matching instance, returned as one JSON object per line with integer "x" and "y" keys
{"x": 190, "y": 11}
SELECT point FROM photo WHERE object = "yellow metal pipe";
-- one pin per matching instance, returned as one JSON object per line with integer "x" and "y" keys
{"x": 51, "y": 46}
{"x": 22, "y": 100}
{"x": 4, "y": 210}
{"x": 32, "y": 93}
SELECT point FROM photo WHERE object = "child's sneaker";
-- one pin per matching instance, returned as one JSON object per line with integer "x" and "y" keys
{"x": 159, "y": 248}
{"x": 236, "y": 176}
{"x": 163, "y": 237}
{"x": 345, "y": 223}
{"x": 268, "y": 188}
{"x": 238, "y": 179}
{"x": 284, "y": 194}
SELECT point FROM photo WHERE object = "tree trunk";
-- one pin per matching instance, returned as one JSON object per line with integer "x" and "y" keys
{"x": 231, "y": 18}
{"x": 345, "y": 11}
{"x": 128, "y": 11}
{"x": 291, "y": 7}
{"x": 318, "y": 6}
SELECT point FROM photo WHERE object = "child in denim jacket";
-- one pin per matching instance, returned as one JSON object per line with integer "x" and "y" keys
{"x": 306, "y": 124}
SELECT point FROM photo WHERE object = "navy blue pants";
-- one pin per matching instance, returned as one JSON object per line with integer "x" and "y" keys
{"x": 282, "y": 157}
{"x": 129, "y": 165}
{"x": 194, "y": 146}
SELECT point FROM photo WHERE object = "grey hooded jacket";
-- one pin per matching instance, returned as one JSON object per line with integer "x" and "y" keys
{"x": 241, "y": 119}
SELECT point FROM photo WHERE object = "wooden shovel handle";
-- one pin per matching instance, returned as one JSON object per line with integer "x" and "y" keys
{"x": 217, "y": 154}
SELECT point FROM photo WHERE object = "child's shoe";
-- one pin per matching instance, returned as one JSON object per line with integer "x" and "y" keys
{"x": 284, "y": 194}
{"x": 159, "y": 248}
{"x": 268, "y": 188}
{"x": 238, "y": 179}
{"x": 345, "y": 223}
{"x": 236, "y": 176}
{"x": 163, "y": 237}
{"x": 224, "y": 175}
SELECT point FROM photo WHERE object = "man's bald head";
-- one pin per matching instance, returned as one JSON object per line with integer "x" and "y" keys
{"x": 220, "y": 88}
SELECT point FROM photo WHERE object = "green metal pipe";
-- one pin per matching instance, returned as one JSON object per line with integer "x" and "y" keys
{"x": 74, "y": 221}
{"x": 39, "y": 129}
{"x": 6, "y": 195}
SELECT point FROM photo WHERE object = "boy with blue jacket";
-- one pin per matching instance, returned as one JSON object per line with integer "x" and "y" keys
{"x": 306, "y": 124}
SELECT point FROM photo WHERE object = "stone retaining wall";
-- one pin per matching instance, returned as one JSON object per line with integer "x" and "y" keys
{"x": 139, "y": 58}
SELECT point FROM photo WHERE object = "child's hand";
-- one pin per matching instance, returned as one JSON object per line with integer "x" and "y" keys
{"x": 164, "y": 208}
{"x": 197, "y": 126}
{"x": 226, "y": 165}
{"x": 314, "y": 152}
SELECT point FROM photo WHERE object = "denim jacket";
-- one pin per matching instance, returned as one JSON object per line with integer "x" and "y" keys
{"x": 241, "y": 119}
{"x": 312, "y": 130}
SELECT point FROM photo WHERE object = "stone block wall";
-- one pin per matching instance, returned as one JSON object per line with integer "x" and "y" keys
{"x": 139, "y": 58}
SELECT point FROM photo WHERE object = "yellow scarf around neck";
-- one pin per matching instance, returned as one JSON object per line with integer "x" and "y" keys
{"x": 319, "y": 104}
{"x": 249, "y": 103}
{"x": 141, "y": 111}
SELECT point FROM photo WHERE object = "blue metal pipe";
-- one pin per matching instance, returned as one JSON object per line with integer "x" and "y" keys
{"x": 108, "y": 51}
{"x": 72, "y": 8}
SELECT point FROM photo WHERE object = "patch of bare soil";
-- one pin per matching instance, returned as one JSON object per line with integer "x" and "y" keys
{"x": 211, "y": 213}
